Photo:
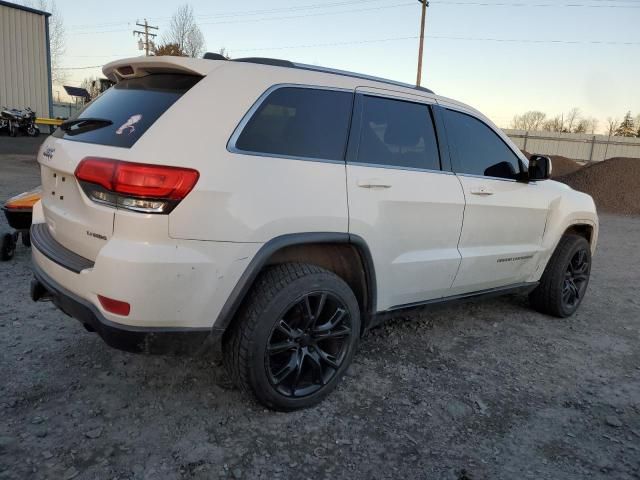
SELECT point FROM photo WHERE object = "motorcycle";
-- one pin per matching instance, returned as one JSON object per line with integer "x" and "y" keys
{"x": 4, "y": 122}
{"x": 15, "y": 120}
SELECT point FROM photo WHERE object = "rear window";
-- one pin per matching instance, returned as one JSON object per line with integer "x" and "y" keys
{"x": 131, "y": 106}
{"x": 299, "y": 122}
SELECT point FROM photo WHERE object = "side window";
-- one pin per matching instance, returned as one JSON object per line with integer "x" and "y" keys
{"x": 476, "y": 149}
{"x": 300, "y": 122}
{"x": 397, "y": 133}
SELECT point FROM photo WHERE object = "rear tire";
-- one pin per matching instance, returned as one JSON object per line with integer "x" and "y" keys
{"x": 565, "y": 280}
{"x": 294, "y": 337}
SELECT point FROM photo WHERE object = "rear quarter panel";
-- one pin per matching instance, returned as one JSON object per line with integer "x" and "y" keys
{"x": 241, "y": 197}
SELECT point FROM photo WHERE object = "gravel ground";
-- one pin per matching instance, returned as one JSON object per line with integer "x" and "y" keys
{"x": 481, "y": 390}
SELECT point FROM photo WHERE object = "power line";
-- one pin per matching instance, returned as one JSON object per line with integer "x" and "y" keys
{"x": 287, "y": 17}
{"x": 245, "y": 13}
{"x": 414, "y": 37}
{"x": 441, "y": 37}
{"x": 530, "y": 5}
{"x": 319, "y": 14}
{"x": 288, "y": 9}
{"x": 632, "y": 5}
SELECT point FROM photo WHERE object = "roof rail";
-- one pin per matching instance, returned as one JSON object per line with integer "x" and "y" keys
{"x": 213, "y": 56}
{"x": 274, "y": 62}
{"x": 363, "y": 76}
{"x": 277, "y": 62}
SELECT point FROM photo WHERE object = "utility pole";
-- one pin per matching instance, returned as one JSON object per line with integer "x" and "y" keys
{"x": 145, "y": 34}
{"x": 425, "y": 4}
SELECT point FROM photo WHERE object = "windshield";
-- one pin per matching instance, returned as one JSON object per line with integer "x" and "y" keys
{"x": 121, "y": 115}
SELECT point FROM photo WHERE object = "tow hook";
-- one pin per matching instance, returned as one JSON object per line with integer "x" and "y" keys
{"x": 38, "y": 292}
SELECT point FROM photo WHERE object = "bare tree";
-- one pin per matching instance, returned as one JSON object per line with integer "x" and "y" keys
{"x": 168, "y": 49}
{"x": 184, "y": 32}
{"x": 586, "y": 125}
{"x": 612, "y": 126}
{"x": 592, "y": 125}
{"x": 572, "y": 119}
{"x": 92, "y": 85}
{"x": 581, "y": 126}
{"x": 555, "y": 124}
{"x": 532, "y": 120}
{"x": 57, "y": 37}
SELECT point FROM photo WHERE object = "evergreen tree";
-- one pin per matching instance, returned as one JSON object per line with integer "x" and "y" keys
{"x": 627, "y": 127}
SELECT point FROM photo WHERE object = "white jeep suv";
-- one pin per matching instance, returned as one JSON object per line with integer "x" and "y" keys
{"x": 280, "y": 208}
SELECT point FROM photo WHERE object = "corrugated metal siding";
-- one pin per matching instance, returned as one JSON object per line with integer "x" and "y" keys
{"x": 24, "y": 80}
{"x": 575, "y": 145}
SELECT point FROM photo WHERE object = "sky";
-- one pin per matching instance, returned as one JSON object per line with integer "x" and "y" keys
{"x": 503, "y": 57}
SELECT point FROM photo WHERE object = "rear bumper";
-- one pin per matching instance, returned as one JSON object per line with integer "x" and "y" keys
{"x": 123, "y": 337}
{"x": 176, "y": 288}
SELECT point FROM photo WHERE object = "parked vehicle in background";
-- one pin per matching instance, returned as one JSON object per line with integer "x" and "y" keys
{"x": 19, "y": 121}
{"x": 299, "y": 205}
{"x": 18, "y": 210}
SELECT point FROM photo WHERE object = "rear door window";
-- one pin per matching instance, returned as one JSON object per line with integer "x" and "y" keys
{"x": 123, "y": 113}
{"x": 397, "y": 133}
{"x": 299, "y": 122}
{"x": 477, "y": 150}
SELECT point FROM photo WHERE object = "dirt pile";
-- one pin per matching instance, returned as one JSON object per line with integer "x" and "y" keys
{"x": 561, "y": 165}
{"x": 614, "y": 184}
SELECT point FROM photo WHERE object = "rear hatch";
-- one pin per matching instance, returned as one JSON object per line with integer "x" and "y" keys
{"x": 107, "y": 128}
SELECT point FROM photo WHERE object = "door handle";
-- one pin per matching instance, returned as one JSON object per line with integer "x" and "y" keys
{"x": 482, "y": 190}
{"x": 373, "y": 183}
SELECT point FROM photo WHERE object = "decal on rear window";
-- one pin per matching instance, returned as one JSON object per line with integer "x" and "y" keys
{"x": 128, "y": 126}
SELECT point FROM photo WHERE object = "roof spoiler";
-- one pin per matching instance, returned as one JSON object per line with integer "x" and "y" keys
{"x": 142, "y": 66}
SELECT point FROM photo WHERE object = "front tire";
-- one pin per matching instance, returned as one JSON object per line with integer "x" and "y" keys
{"x": 565, "y": 280}
{"x": 294, "y": 338}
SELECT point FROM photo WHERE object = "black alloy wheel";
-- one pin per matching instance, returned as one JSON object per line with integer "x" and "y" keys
{"x": 308, "y": 344}
{"x": 294, "y": 337}
{"x": 564, "y": 282}
{"x": 575, "y": 279}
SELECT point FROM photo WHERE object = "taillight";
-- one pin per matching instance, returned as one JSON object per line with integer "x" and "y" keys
{"x": 135, "y": 186}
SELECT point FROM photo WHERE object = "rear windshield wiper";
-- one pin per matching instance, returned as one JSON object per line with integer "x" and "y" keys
{"x": 81, "y": 125}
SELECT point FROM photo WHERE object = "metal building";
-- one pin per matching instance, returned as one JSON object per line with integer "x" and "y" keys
{"x": 25, "y": 59}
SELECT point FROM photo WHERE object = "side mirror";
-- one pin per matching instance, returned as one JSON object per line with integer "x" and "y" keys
{"x": 540, "y": 167}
